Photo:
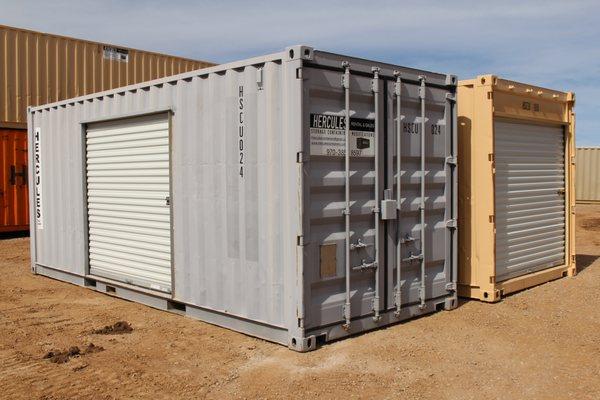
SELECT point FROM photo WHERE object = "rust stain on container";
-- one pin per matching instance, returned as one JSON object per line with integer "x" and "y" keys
{"x": 40, "y": 68}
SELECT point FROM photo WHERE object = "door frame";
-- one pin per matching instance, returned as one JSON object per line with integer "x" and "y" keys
{"x": 86, "y": 230}
{"x": 550, "y": 124}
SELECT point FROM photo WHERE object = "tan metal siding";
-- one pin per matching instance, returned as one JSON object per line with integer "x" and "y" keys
{"x": 38, "y": 68}
{"x": 587, "y": 181}
{"x": 483, "y": 103}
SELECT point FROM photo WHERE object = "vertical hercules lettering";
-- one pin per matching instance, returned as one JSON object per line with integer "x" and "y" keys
{"x": 241, "y": 129}
{"x": 37, "y": 161}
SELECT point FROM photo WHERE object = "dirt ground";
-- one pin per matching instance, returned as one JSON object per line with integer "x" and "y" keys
{"x": 542, "y": 343}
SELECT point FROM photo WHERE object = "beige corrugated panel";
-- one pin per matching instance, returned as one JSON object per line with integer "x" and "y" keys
{"x": 38, "y": 68}
{"x": 516, "y": 186}
{"x": 588, "y": 175}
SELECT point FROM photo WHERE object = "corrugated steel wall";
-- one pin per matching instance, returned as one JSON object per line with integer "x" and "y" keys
{"x": 38, "y": 68}
{"x": 232, "y": 241}
{"x": 587, "y": 183}
{"x": 14, "y": 213}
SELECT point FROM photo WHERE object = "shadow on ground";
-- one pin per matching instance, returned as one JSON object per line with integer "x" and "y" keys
{"x": 13, "y": 235}
{"x": 585, "y": 260}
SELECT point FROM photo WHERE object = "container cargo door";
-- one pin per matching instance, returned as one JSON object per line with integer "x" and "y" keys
{"x": 128, "y": 201}
{"x": 530, "y": 198}
{"x": 14, "y": 211}
{"x": 421, "y": 245}
{"x": 324, "y": 219}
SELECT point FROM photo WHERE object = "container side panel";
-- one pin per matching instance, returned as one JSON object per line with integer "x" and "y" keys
{"x": 62, "y": 236}
{"x": 40, "y": 68}
{"x": 466, "y": 186}
{"x": 588, "y": 174}
{"x": 228, "y": 162}
{"x": 530, "y": 198}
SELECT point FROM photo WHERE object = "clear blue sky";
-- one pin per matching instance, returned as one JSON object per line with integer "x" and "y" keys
{"x": 555, "y": 44}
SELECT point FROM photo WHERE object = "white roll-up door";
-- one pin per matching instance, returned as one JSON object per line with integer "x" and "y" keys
{"x": 530, "y": 198}
{"x": 128, "y": 191}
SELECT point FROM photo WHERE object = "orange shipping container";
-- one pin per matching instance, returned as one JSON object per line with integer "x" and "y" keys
{"x": 39, "y": 68}
{"x": 14, "y": 214}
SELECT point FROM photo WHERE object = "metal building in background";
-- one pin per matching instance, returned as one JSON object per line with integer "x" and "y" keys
{"x": 300, "y": 197}
{"x": 516, "y": 185}
{"x": 587, "y": 185}
{"x": 38, "y": 68}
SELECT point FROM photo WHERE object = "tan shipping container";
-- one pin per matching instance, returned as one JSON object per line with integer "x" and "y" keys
{"x": 39, "y": 68}
{"x": 516, "y": 186}
{"x": 587, "y": 184}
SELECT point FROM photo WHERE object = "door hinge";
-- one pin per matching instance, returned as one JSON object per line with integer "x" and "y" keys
{"x": 492, "y": 219}
{"x": 451, "y": 286}
{"x": 451, "y": 223}
{"x": 491, "y": 157}
{"x": 299, "y": 73}
{"x": 451, "y": 160}
{"x": 168, "y": 200}
{"x": 300, "y": 240}
{"x": 300, "y": 157}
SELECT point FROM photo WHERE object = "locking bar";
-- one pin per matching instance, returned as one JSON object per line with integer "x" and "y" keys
{"x": 422, "y": 292}
{"x": 376, "y": 210}
{"x": 347, "y": 314}
{"x": 399, "y": 240}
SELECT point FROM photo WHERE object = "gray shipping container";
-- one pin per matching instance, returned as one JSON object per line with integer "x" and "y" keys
{"x": 231, "y": 194}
